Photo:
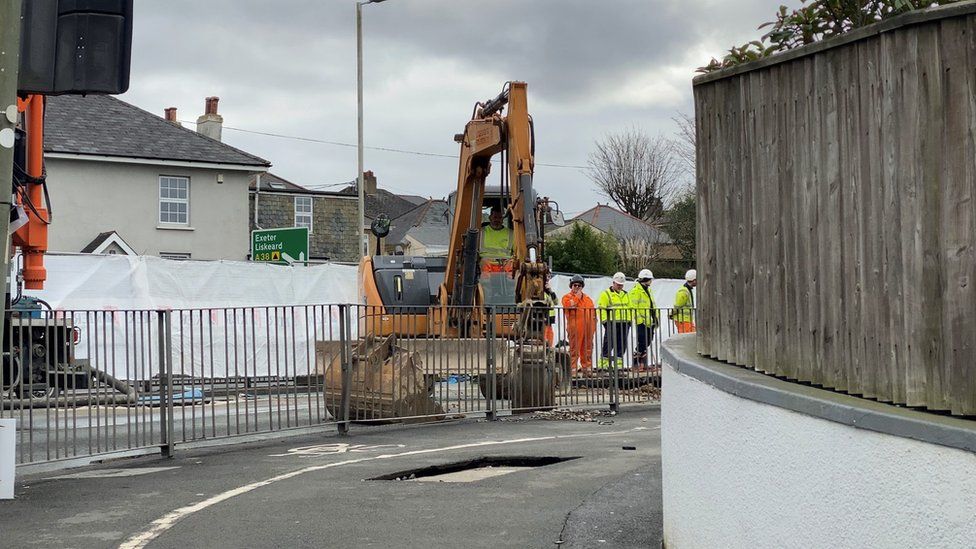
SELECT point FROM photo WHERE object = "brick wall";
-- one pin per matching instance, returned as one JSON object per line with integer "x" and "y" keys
{"x": 334, "y": 223}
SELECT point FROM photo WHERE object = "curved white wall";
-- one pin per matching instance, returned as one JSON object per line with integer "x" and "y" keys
{"x": 739, "y": 473}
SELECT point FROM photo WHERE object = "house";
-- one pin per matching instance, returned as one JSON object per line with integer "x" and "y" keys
{"x": 161, "y": 189}
{"x": 609, "y": 220}
{"x": 381, "y": 201}
{"x": 638, "y": 239}
{"x": 422, "y": 231}
{"x": 331, "y": 217}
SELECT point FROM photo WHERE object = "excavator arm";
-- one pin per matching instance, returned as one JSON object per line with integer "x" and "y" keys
{"x": 488, "y": 133}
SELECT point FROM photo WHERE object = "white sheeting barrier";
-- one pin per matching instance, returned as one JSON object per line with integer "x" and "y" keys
{"x": 230, "y": 318}
{"x": 256, "y": 319}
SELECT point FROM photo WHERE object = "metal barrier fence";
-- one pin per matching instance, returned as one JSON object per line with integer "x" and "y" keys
{"x": 88, "y": 383}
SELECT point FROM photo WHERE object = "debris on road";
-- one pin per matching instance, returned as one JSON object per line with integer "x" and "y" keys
{"x": 575, "y": 415}
{"x": 649, "y": 392}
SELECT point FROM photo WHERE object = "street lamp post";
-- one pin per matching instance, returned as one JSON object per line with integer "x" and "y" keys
{"x": 363, "y": 239}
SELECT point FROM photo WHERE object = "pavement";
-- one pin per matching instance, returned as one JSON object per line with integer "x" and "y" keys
{"x": 313, "y": 491}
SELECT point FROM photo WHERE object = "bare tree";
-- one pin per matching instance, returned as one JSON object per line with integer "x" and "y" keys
{"x": 685, "y": 143}
{"x": 640, "y": 247}
{"x": 637, "y": 172}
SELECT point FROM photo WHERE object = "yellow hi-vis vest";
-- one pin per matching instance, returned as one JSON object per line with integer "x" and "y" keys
{"x": 614, "y": 306}
{"x": 496, "y": 243}
{"x": 684, "y": 305}
{"x": 552, "y": 303}
{"x": 642, "y": 302}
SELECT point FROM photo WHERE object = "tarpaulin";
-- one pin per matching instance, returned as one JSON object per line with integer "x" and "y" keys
{"x": 229, "y": 318}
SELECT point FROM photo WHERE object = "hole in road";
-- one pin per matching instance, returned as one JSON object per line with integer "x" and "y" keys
{"x": 474, "y": 470}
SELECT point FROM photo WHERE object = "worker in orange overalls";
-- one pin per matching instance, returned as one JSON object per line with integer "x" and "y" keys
{"x": 580, "y": 324}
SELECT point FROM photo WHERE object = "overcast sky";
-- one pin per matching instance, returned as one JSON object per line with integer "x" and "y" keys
{"x": 289, "y": 67}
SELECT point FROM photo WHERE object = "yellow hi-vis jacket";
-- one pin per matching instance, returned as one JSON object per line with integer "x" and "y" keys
{"x": 641, "y": 300}
{"x": 552, "y": 303}
{"x": 614, "y": 306}
{"x": 496, "y": 243}
{"x": 684, "y": 305}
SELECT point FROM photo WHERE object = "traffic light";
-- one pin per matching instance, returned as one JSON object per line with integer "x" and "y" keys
{"x": 75, "y": 47}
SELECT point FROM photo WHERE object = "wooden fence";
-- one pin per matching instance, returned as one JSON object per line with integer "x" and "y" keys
{"x": 836, "y": 220}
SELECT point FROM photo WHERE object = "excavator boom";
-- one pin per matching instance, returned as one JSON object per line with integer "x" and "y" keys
{"x": 490, "y": 132}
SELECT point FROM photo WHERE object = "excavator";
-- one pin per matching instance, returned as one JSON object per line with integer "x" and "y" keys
{"x": 470, "y": 314}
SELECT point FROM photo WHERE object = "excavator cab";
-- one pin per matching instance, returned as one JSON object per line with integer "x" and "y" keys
{"x": 497, "y": 276}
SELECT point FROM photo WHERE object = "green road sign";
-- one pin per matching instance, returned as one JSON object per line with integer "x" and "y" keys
{"x": 280, "y": 245}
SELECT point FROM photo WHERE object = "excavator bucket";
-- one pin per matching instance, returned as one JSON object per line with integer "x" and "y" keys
{"x": 387, "y": 381}
{"x": 394, "y": 377}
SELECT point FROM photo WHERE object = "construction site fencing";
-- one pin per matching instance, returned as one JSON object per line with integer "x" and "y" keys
{"x": 125, "y": 382}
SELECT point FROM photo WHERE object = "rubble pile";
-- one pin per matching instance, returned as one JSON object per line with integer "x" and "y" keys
{"x": 573, "y": 415}
{"x": 649, "y": 392}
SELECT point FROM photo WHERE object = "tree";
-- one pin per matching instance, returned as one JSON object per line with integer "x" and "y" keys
{"x": 681, "y": 224}
{"x": 638, "y": 173}
{"x": 686, "y": 143}
{"x": 814, "y": 21}
{"x": 640, "y": 248}
{"x": 584, "y": 251}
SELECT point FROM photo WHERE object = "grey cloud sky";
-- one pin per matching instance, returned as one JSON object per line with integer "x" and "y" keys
{"x": 288, "y": 67}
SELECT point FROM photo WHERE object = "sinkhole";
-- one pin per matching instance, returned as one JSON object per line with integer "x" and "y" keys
{"x": 473, "y": 470}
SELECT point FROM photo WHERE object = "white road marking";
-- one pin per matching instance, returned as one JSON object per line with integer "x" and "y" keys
{"x": 167, "y": 521}
{"x": 336, "y": 448}
{"x": 115, "y": 473}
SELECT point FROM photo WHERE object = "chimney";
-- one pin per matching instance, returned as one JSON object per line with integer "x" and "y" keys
{"x": 369, "y": 183}
{"x": 170, "y": 115}
{"x": 210, "y": 123}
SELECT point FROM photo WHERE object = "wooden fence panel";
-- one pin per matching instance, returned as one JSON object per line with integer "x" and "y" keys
{"x": 837, "y": 223}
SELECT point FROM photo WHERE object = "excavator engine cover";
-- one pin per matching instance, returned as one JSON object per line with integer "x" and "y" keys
{"x": 408, "y": 285}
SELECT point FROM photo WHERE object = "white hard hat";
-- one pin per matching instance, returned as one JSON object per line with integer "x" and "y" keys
{"x": 619, "y": 278}
{"x": 691, "y": 275}
{"x": 645, "y": 274}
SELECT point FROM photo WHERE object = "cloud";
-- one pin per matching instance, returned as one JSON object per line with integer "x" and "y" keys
{"x": 289, "y": 67}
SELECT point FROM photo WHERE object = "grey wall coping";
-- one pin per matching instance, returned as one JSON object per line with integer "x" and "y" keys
{"x": 916, "y": 17}
{"x": 680, "y": 353}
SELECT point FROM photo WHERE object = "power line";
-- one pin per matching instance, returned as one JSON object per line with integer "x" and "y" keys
{"x": 372, "y": 148}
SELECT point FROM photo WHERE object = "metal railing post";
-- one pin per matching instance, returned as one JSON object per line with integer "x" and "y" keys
{"x": 345, "y": 335}
{"x": 490, "y": 383}
{"x": 615, "y": 336}
{"x": 164, "y": 330}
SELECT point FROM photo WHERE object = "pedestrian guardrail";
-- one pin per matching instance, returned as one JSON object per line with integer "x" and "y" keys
{"x": 90, "y": 383}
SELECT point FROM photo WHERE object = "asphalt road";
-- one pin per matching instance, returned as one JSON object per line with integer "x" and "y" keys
{"x": 66, "y": 432}
{"x": 312, "y": 491}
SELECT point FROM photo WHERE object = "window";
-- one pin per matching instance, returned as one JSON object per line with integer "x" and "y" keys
{"x": 174, "y": 200}
{"x": 174, "y": 255}
{"x": 303, "y": 212}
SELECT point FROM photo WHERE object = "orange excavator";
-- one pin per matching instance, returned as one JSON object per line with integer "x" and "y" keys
{"x": 66, "y": 47}
{"x": 458, "y": 307}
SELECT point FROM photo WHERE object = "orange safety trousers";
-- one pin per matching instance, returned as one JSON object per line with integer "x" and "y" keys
{"x": 686, "y": 327}
{"x": 580, "y": 348}
{"x": 580, "y": 327}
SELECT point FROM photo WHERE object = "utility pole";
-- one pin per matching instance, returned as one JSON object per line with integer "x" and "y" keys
{"x": 9, "y": 69}
{"x": 363, "y": 239}
{"x": 363, "y": 243}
